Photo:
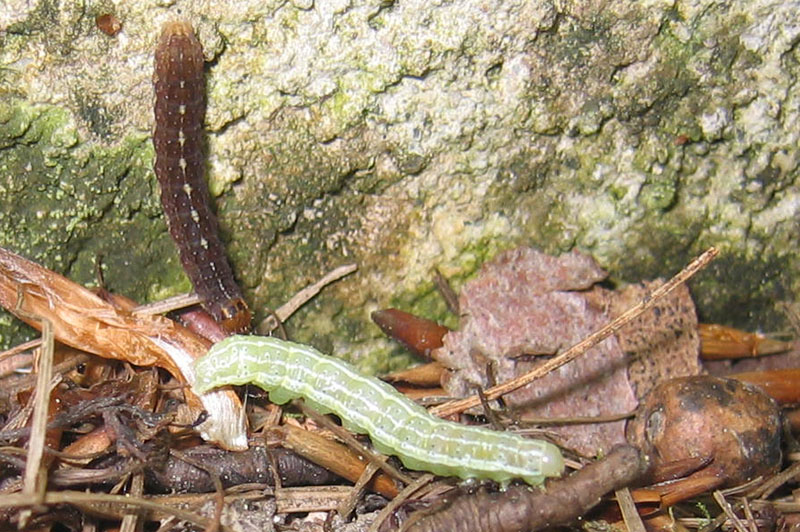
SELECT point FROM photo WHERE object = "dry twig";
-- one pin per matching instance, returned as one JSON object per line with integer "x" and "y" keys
{"x": 301, "y": 297}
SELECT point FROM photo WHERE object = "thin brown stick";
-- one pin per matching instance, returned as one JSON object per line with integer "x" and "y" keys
{"x": 748, "y": 514}
{"x": 21, "y": 348}
{"x": 573, "y": 420}
{"x": 178, "y": 302}
{"x": 627, "y": 507}
{"x": 577, "y": 350}
{"x": 272, "y": 321}
{"x": 27, "y": 381}
{"x": 351, "y": 441}
{"x": 407, "y": 492}
{"x": 131, "y": 520}
{"x": 349, "y": 504}
{"x": 726, "y": 507}
{"x": 717, "y": 522}
{"x": 99, "y": 500}
{"x": 301, "y": 297}
{"x": 446, "y": 291}
{"x": 35, "y": 482}
{"x": 329, "y": 454}
{"x": 767, "y": 488}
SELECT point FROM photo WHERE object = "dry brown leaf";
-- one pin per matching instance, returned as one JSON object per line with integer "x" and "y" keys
{"x": 525, "y": 305}
{"x": 528, "y": 303}
{"x": 663, "y": 343}
{"x": 84, "y": 321}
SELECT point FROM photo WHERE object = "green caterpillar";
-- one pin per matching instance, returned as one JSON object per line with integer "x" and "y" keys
{"x": 396, "y": 425}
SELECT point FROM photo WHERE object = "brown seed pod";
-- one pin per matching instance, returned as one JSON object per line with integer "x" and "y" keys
{"x": 733, "y": 426}
{"x": 419, "y": 335}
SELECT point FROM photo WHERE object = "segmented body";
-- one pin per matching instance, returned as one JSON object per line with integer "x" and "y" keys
{"x": 178, "y": 139}
{"x": 396, "y": 425}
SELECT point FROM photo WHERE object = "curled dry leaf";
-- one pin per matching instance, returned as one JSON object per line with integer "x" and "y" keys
{"x": 83, "y": 320}
{"x": 255, "y": 465}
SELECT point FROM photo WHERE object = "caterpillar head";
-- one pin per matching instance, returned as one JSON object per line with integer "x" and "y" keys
{"x": 233, "y": 315}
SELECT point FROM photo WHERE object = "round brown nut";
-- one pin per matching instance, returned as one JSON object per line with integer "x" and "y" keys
{"x": 732, "y": 425}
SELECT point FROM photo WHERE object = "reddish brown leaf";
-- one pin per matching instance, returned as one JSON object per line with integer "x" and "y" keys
{"x": 526, "y": 303}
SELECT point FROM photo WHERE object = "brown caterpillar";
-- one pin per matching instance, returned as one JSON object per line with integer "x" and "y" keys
{"x": 180, "y": 106}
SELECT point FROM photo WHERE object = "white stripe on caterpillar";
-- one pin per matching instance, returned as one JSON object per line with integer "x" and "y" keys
{"x": 395, "y": 424}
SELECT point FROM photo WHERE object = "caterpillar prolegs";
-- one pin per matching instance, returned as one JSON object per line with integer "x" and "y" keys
{"x": 395, "y": 424}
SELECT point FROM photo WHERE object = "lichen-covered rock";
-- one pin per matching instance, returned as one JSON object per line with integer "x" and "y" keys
{"x": 407, "y": 135}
